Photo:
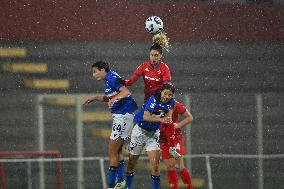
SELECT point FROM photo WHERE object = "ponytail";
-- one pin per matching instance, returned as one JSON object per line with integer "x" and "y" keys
{"x": 161, "y": 39}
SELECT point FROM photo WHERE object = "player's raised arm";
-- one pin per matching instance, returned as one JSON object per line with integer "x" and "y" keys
{"x": 138, "y": 72}
{"x": 100, "y": 98}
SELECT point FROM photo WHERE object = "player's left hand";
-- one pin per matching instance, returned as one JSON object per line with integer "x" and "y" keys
{"x": 176, "y": 126}
{"x": 111, "y": 102}
{"x": 167, "y": 119}
{"x": 88, "y": 101}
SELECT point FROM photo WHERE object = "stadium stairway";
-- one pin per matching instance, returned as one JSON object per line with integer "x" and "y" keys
{"x": 18, "y": 69}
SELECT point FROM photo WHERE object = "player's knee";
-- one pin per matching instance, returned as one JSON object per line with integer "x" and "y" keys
{"x": 155, "y": 169}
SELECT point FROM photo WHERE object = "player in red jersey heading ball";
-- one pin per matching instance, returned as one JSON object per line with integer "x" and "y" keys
{"x": 155, "y": 72}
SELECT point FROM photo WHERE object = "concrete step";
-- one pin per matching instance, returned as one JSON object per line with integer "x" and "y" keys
{"x": 11, "y": 52}
{"x": 27, "y": 68}
{"x": 62, "y": 84}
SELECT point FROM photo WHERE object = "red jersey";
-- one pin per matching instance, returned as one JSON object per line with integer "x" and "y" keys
{"x": 154, "y": 77}
{"x": 179, "y": 109}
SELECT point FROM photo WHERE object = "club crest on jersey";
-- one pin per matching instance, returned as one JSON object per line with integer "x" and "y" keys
{"x": 146, "y": 69}
{"x": 159, "y": 72}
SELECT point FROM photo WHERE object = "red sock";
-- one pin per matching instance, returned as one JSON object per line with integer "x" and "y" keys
{"x": 173, "y": 179}
{"x": 185, "y": 177}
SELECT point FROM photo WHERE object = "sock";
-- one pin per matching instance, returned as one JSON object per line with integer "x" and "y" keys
{"x": 112, "y": 172}
{"x": 155, "y": 182}
{"x": 129, "y": 180}
{"x": 173, "y": 179}
{"x": 120, "y": 171}
{"x": 185, "y": 177}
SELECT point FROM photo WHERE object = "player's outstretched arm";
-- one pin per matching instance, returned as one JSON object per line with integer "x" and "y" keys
{"x": 138, "y": 72}
{"x": 132, "y": 79}
{"x": 100, "y": 98}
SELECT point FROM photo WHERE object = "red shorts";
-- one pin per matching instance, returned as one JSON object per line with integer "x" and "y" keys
{"x": 165, "y": 147}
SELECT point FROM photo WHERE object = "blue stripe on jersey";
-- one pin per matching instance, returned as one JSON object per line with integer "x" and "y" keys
{"x": 156, "y": 108}
{"x": 123, "y": 106}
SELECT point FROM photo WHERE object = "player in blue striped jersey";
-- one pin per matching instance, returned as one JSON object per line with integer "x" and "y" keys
{"x": 122, "y": 107}
{"x": 145, "y": 134}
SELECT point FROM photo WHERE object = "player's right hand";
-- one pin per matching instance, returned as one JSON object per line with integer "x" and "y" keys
{"x": 92, "y": 99}
{"x": 88, "y": 101}
{"x": 167, "y": 120}
{"x": 126, "y": 82}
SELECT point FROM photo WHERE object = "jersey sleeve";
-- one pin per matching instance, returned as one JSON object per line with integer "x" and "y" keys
{"x": 172, "y": 103}
{"x": 180, "y": 108}
{"x": 166, "y": 74}
{"x": 150, "y": 104}
{"x": 138, "y": 72}
{"x": 116, "y": 85}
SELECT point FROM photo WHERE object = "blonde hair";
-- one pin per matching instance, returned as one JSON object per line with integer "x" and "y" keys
{"x": 162, "y": 40}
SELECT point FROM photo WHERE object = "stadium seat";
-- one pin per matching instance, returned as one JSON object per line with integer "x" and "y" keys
{"x": 92, "y": 116}
{"x": 13, "y": 52}
{"x": 103, "y": 133}
{"x": 24, "y": 67}
{"x": 46, "y": 83}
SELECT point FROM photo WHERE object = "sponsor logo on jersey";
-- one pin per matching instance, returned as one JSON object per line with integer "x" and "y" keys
{"x": 152, "y": 78}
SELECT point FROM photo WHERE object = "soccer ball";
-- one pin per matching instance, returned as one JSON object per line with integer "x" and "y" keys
{"x": 154, "y": 25}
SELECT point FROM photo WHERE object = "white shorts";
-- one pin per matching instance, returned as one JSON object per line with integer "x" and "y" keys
{"x": 122, "y": 126}
{"x": 142, "y": 138}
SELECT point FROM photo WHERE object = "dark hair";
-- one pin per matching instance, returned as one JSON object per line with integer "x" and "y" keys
{"x": 101, "y": 65}
{"x": 168, "y": 86}
{"x": 157, "y": 47}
